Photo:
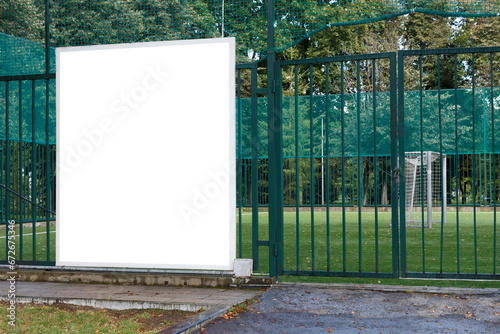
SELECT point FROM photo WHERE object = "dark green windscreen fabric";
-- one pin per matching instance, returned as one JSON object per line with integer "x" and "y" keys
{"x": 19, "y": 56}
{"x": 446, "y": 121}
{"x": 27, "y": 111}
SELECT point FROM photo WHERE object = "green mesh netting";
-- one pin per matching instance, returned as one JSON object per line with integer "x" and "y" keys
{"x": 437, "y": 135}
{"x": 83, "y": 22}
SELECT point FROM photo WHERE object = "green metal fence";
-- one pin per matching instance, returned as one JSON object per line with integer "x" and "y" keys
{"x": 321, "y": 188}
{"x": 459, "y": 124}
{"x": 338, "y": 193}
{"x": 28, "y": 165}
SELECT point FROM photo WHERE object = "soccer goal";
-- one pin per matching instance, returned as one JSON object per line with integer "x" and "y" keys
{"x": 425, "y": 185}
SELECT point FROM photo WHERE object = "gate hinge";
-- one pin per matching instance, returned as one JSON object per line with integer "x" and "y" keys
{"x": 396, "y": 173}
{"x": 274, "y": 86}
{"x": 277, "y": 247}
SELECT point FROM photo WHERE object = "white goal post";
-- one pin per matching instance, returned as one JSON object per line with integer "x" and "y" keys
{"x": 425, "y": 188}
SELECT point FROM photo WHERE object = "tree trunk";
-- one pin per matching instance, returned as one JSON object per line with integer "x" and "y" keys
{"x": 383, "y": 199}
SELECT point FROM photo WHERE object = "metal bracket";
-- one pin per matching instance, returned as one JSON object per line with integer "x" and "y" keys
{"x": 276, "y": 248}
{"x": 264, "y": 243}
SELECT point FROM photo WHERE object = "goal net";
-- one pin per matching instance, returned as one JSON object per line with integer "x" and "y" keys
{"x": 425, "y": 186}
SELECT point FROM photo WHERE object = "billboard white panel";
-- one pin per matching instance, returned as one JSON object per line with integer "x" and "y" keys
{"x": 145, "y": 155}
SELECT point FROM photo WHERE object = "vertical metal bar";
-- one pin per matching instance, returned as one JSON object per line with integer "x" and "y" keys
{"x": 342, "y": 129}
{"x": 457, "y": 171}
{"x": 494, "y": 198}
{"x": 20, "y": 173}
{"x": 311, "y": 163}
{"x": 47, "y": 166}
{"x": 474, "y": 159}
{"x": 482, "y": 167}
{"x": 279, "y": 170}
{"x": 239, "y": 172}
{"x": 47, "y": 36}
{"x": 400, "y": 174}
{"x": 255, "y": 170}
{"x": 421, "y": 149}
{"x": 444, "y": 173}
{"x": 440, "y": 162}
{"x": 2, "y": 203}
{"x": 33, "y": 164}
{"x": 375, "y": 160}
{"x": 429, "y": 189}
{"x": 47, "y": 94}
{"x": 359, "y": 162}
{"x": 327, "y": 120}
{"x": 297, "y": 161}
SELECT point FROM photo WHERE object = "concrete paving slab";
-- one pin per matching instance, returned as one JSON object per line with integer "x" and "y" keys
{"x": 128, "y": 294}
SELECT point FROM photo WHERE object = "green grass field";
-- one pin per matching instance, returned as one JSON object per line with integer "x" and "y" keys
{"x": 40, "y": 239}
{"x": 63, "y": 318}
{"x": 418, "y": 241}
{"x": 435, "y": 248}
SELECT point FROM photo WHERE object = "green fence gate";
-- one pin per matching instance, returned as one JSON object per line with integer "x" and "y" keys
{"x": 449, "y": 113}
{"x": 335, "y": 159}
{"x": 339, "y": 151}
{"x": 379, "y": 179}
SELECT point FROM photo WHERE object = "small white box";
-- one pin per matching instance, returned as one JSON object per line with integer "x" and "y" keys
{"x": 243, "y": 267}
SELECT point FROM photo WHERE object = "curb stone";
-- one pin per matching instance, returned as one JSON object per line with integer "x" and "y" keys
{"x": 196, "y": 322}
{"x": 109, "y": 304}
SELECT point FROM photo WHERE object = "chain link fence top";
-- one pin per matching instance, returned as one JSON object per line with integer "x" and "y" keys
{"x": 80, "y": 22}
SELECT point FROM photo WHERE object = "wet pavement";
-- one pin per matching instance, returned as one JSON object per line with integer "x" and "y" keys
{"x": 299, "y": 308}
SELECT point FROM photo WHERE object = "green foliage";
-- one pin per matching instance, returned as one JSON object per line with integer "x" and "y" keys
{"x": 81, "y": 22}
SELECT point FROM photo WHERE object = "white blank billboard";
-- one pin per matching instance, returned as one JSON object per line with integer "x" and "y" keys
{"x": 145, "y": 155}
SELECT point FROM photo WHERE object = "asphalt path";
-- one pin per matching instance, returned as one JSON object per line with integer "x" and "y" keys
{"x": 325, "y": 309}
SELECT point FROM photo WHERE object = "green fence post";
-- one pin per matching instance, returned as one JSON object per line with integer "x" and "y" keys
{"x": 19, "y": 173}
{"x": 255, "y": 170}
{"x": 275, "y": 153}
{"x": 33, "y": 166}
{"x": 47, "y": 113}
{"x": 398, "y": 170}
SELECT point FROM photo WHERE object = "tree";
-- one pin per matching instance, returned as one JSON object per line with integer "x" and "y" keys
{"x": 486, "y": 32}
{"x": 23, "y": 19}
{"x": 80, "y": 22}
